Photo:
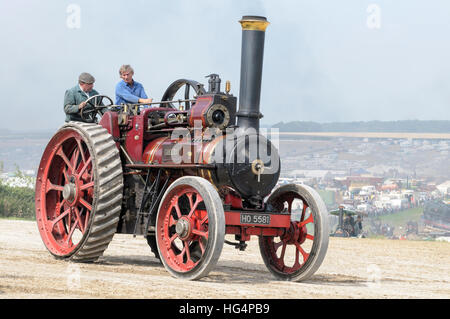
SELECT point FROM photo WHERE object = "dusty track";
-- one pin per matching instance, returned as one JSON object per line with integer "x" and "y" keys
{"x": 353, "y": 268}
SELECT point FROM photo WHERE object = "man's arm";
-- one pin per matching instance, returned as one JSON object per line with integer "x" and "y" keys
{"x": 143, "y": 96}
{"x": 142, "y": 93}
{"x": 70, "y": 106}
{"x": 123, "y": 93}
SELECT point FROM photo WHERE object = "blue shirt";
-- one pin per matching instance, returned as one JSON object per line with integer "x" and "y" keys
{"x": 126, "y": 93}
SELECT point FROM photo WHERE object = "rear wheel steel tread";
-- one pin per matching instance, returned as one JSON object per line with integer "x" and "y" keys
{"x": 108, "y": 189}
{"x": 107, "y": 204}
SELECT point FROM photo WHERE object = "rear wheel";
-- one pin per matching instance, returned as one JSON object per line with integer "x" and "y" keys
{"x": 298, "y": 253}
{"x": 79, "y": 192}
{"x": 190, "y": 228}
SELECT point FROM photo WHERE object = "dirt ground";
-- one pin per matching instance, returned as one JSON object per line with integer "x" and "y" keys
{"x": 353, "y": 268}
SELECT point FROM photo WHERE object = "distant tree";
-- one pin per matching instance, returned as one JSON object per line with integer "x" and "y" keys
{"x": 18, "y": 172}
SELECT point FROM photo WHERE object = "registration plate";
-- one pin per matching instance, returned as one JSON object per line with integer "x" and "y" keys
{"x": 256, "y": 219}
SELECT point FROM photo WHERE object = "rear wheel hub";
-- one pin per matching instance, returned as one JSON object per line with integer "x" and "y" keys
{"x": 69, "y": 192}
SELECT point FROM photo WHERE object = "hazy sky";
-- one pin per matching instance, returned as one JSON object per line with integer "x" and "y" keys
{"x": 324, "y": 60}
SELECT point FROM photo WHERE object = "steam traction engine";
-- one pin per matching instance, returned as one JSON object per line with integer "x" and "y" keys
{"x": 183, "y": 177}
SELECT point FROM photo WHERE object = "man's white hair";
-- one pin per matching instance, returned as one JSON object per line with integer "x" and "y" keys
{"x": 126, "y": 68}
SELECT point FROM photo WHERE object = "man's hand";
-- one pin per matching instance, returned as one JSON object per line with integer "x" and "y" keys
{"x": 82, "y": 104}
{"x": 145, "y": 100}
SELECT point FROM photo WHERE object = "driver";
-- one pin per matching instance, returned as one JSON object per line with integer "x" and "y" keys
{"x": 74, "y": 99}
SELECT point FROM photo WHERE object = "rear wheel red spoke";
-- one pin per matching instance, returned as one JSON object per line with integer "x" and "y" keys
{"x": 86, "y": 186}
{"x": 80, "y": 147}
{"x": 61, "y": 154}
{"x": 84, "y": 167}
{"x": 80, "y": 224}
{"x": 52, "y": 187}
{"x": 69, "y": 236}
{"x": 85, "y": 204}
{"x": 59, "y": 218}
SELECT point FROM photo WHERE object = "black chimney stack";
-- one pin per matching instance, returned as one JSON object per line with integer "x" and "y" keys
{"x": 253, "y": 32}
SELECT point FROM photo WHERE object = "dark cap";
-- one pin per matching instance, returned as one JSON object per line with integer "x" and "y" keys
{"x": 86, "y": 78}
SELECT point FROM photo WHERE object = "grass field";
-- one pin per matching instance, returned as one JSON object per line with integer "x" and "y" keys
{"x": 401, "y": 218}
{"x": 327, "y": 196}
{"x": 398, "y": 220}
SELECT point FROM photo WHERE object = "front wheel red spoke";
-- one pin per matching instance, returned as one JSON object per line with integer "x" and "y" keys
{"x": 302, "y": 251}
{"x": 177, "y": 208}
{"x": 200, "y": 233}
{"x": 172, "y": 239}
{"x": 187, "y": 252}
{"x": 202, "y": 246}
{"x": 310, "y": 219}
{"x": 195, "y": 205}
{"x": 283, "y": 250}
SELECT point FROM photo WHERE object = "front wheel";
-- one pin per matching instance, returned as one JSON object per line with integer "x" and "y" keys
{"x": 299, "y": 252}
{"x": 190, "y": 228}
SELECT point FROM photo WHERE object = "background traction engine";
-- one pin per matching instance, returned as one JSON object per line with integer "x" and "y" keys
{"x": 182, "y": 177}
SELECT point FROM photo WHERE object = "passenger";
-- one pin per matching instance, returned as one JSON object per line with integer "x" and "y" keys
{"x": 128, "y": 91}
{"x": 74, "y": 99}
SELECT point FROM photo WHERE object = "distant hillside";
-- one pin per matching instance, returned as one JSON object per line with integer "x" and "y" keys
{"x": 9, "y": 134}
{"x": 410, "y": 126}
